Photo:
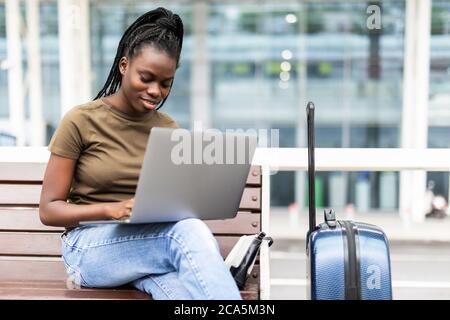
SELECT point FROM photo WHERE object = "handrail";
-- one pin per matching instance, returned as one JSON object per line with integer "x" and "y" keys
{"x": 355, "y": 159}
{"x": 291, "y": 159}
{"x": 273, "y": 160}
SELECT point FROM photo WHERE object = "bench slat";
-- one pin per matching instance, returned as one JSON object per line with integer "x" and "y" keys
{"x": 21, "y": 194}
{"x": 244, "y": 223}
{"x": 251, "y": 199}
{"x": 65, "y": 294}
{"x": 50, "y": 269}
{"x": 59, "y": 280}
{"x": 49, "y": 244}
{"x": 43, "y": 293}
{"x": 31, "y": 275}
{"x": 46, "y": 279}
{"x": 22, "y": 171}
{"x": 30, "y": 243}
{"x": 28, "y": 220}
{"x": 29, "y": 194}
{"x": 254, "y": 176}
{"x": 34, "y": 171}
{"x": 31, "y": 269}
{"x": 12, "y": 219}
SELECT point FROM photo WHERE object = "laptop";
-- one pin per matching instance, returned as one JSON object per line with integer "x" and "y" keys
{"x": 191, "y": 174}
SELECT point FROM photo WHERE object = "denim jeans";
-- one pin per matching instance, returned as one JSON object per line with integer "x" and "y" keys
{"x": 167, "y": 260}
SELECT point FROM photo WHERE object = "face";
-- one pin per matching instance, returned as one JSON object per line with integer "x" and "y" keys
{"x": 146, "y": 79}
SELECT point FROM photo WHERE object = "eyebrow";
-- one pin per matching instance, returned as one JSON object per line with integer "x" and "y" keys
{"x": 153, "y": 75}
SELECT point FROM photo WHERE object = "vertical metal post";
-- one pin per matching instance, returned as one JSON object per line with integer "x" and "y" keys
{"x": 34, "y": 74}
{"x": 302, "y": 90}
{"x": 74, "y": 53}
{"x": 200, "y": 81}
{"x": 415, "y": 104}
{"x": 15, "y": 73}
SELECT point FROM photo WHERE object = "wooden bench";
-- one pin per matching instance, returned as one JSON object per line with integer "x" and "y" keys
{"x": 30, "y": 258}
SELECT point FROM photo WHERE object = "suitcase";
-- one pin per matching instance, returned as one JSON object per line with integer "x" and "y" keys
{"x": 345, "y": 260}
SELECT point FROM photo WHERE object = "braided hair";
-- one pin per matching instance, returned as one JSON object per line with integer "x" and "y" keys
{"x": 160, "y": 28}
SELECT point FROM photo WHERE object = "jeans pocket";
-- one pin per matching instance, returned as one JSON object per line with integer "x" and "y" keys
{"x": 71, "y": 257}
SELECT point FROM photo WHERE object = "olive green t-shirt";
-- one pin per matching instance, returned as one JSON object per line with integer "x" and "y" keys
{"x": 109, "y": 147}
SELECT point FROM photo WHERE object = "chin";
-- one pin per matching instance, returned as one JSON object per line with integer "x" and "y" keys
{"x": 140, "y": 109}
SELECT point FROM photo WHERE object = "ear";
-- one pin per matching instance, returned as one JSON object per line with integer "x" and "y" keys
{"x": 123, "y": 65}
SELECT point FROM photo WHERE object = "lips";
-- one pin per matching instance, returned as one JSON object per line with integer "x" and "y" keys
{"x": 149, "y": 103}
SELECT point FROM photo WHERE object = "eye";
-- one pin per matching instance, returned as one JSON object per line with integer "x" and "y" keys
{"x": 145, "y": 79}
{"x": 166, "y": 85}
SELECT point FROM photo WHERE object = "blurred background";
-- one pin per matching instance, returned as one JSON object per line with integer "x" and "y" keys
{"x": 378, "y": 72}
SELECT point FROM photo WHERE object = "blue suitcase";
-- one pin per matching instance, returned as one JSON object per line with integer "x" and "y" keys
{"x": 346, "y": 260}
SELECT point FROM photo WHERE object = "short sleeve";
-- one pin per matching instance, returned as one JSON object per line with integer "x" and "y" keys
{"x": 168, "y": 121}
{"x": 67, "y": 141}
{"x": 173, "y": 124}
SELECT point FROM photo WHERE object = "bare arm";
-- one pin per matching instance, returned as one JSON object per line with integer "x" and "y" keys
{"x": 53, "y": 207}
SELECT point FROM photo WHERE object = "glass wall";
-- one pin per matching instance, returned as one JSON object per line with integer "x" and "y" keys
{"x": 4, "y": 111}
{"x": 265, "y": 60}
{"x": 268, "y": 60}
{"x": 50, "y": 66}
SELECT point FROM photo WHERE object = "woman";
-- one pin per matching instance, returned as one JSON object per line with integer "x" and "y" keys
{"x": 92, "y": 173}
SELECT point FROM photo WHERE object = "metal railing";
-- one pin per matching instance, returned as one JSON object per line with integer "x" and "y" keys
{"x": 417, "y": 161}
{"x": 354, "y": 159}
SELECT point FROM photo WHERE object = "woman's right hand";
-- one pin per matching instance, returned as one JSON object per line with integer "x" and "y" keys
{"x": 119, "y": 210}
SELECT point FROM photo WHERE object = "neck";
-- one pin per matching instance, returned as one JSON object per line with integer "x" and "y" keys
{"x": 119, "y": 101}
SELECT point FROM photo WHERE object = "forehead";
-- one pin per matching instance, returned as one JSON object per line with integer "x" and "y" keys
{"x": 155, "y": 61}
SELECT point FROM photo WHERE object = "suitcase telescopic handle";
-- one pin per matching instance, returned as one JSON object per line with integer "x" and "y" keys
{"x": 311, "y": 167}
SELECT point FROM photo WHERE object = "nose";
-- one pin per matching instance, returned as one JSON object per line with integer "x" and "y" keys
{"x": 154, "y": 90}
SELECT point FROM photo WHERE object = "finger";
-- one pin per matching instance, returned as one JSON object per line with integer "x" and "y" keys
{"x": 124, "y": 214}
{"x": 129, "y": 205}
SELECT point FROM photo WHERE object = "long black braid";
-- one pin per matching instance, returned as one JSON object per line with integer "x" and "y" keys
{"x": 160, "y": 28}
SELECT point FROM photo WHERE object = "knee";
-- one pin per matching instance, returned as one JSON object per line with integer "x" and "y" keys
{"x": 191, "y": 226}
{"x": 195, "y": 234}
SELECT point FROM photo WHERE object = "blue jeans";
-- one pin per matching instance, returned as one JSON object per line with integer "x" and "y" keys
{"x": 167, "y": 260}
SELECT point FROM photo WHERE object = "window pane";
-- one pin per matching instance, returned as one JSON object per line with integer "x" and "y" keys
{"x": 439, "y": 102}
{"x": 267, "y": 60}
{"x": 51, "y": 99}
{"x": 439, "y": 96}
{"x": 4, "y": 110}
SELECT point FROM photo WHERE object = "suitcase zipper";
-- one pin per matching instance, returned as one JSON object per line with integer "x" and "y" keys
{"x": 352, "y": 265}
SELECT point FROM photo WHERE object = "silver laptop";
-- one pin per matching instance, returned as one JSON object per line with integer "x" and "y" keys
{"x": 187, "y": 174}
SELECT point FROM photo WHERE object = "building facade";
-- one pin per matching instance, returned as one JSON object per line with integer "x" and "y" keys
{"x": 255, "y": 64}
